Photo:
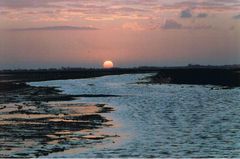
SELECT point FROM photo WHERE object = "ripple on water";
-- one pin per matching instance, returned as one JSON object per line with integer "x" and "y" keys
{"x": 164, "y": 120}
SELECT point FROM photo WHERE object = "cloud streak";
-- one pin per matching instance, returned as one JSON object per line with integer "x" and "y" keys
{"x": 237, "y": 17}
{"x": 187, "y": 13}
{"x": 202, "y": 15}
{"x": 113, "y": 9}
{"x": 171, "y": 24}
{"x": 56, "y": 28}
{"x": 134, "y": 26}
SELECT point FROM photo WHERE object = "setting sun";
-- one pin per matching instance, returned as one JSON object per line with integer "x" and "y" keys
{"x": 108, "y": 64}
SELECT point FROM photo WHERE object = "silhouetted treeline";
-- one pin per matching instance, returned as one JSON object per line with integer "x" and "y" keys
{"x": 192, "y": 74}
{"x": 235, "y": 66}
{"x": 50, "y": 74}
{"x": 203, "y": 76}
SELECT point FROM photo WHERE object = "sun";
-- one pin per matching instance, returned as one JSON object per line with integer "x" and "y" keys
{"x": 108, "y": 64}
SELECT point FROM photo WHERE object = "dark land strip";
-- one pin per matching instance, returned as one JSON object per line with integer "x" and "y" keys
{"x": 202, "y": 75}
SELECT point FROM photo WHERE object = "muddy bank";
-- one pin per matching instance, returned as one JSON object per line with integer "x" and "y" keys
{"x": 33, "y": 129}
{"x": 37, "y": 121}
{"x": 22, "y": 76}
{"x": 24, "y": 92}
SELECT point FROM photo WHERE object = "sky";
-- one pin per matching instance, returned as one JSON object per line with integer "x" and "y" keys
{"x": 85, "y": 33}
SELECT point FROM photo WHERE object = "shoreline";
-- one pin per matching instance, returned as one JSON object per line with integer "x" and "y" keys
{"x": 222, "y": 76}
{"x": 31, "y": 117}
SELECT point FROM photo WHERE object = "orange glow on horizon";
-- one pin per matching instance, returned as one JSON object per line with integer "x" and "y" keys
{"x": 108, "y": 64}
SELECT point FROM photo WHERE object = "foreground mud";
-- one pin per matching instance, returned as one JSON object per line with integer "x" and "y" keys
{"x": 34, "y": 122}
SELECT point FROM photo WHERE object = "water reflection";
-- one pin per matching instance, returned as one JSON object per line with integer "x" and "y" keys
{"x": 32, "y": 130}
{"x": 163, "y": 120}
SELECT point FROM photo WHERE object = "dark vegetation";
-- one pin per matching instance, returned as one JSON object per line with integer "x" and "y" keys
{"x": 191, "y": 74}
{"x": 16, "y": 79}
{"x": 202, "y": 76}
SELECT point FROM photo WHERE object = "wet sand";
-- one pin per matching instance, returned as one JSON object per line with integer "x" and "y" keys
{"x": 38, "y": 121}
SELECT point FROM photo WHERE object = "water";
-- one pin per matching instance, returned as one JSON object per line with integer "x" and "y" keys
{"x": 161, "y": 120}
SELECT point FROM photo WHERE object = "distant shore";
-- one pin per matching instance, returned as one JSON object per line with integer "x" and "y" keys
{"x": 221, "y": 75}
{"x": 198, "y": 76}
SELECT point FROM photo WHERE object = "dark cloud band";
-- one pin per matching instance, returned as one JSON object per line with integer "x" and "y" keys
{"x": 54, "y": 28}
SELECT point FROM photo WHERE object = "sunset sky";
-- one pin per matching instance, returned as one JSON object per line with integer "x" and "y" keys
{"x": 85, "y": 33}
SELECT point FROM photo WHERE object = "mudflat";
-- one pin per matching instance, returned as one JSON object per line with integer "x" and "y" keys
{"x": 37, "y": 121}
